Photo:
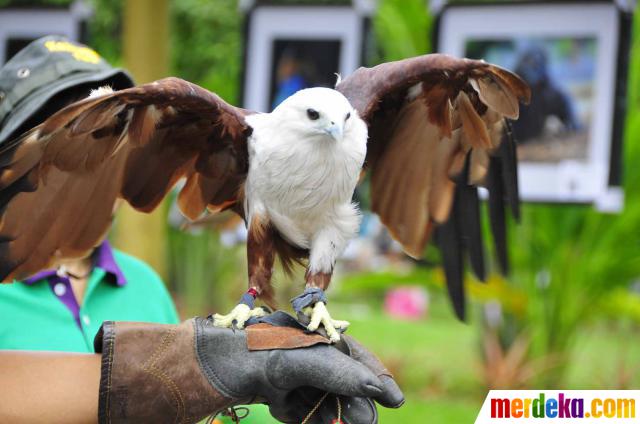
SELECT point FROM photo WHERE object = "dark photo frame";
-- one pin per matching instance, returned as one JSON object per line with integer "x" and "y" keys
{"x": 298, "y": 64}
{"x": 21, "y": 25}
{"x": 319, "y": 41}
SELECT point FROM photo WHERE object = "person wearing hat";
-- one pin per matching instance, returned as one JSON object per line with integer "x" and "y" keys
{"x": 159, "y": 371}
{"x": 62, "y": 309}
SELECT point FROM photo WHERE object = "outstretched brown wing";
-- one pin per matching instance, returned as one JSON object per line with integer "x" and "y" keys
{"x": 60, "y": 182}
{"x": 436, "y": 133}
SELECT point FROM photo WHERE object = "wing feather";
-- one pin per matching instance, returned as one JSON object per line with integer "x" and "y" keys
{"x": 397, "y": 177}
{"x": 478, "y": 167}
{"x": 495, "y": 94}
{"x": 473, "y": 126}
{"x": 436, "y": 127}
{"x": 442, "y": 187}
{"x": 142, "y": 125}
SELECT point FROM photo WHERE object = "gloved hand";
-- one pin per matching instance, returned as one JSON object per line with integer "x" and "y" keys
{"x": 184, "y": 373}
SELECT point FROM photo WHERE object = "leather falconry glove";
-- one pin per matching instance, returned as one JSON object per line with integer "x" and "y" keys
{"x": 184, "y": 373}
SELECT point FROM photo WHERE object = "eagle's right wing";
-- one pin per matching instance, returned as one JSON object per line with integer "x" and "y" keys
{"x": 436, "y": 134}
{"x": 59, "y": 183}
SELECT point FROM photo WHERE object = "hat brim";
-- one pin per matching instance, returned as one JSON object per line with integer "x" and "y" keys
{"x": 38, "y": 98}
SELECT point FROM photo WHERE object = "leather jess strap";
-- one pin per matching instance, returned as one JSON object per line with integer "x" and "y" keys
{"x": 266, "y": 337}
{"x": 280, "y": 331}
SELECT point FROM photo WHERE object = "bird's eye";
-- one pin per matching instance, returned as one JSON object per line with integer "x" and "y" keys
{"x": 313, "y": 114}
{"x": 346, "y": 118}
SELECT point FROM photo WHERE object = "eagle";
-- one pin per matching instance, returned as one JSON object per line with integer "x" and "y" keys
{"x": 429, "y": 130}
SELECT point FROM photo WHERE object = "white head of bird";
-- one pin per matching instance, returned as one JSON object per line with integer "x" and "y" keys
{"x": 319, "y": 113}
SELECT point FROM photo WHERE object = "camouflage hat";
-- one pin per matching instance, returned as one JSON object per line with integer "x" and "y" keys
{"x": 47, "y": 67}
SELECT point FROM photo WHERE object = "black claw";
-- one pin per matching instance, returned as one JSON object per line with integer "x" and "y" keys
{"x": 266, "y": 309}
{"x": 303, "y": 319}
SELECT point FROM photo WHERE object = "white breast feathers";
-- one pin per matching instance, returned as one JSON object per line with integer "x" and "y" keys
{"x": 303, "y": 169}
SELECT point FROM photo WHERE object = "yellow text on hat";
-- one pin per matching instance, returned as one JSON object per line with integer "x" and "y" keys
{"x": 81, "y": 53}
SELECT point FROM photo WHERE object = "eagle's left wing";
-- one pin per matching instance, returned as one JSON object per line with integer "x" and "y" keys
{"x": 60, "y": 182}
{"x": 436, "y": 132}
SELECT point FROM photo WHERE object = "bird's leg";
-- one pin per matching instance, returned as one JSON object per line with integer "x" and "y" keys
{"x": 316, "y": 309}
{"x": 241, "y": 313}
{"x": 311, "y": 304}
{"x": 260, "y": 258}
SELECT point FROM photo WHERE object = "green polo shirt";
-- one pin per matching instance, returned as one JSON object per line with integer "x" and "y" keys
{"x": 39, "y": 314}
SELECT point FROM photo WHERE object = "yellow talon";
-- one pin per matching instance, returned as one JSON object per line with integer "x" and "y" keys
{"x": 240, "y": 314}
{"x": 320, "y": 315}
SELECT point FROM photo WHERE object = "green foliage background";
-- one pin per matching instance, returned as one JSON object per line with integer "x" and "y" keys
{"x": 572, "y": 266}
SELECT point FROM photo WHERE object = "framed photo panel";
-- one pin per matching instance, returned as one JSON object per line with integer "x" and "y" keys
{"x": 289, "y": 48}
{"x": 569, "y": 135}
{"x": 20, "y": 26}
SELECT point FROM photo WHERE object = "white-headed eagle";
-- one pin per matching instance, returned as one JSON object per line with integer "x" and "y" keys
{"x": 429, "y": 130}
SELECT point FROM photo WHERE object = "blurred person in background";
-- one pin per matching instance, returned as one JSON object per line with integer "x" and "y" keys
{"x": 289, "y": 77}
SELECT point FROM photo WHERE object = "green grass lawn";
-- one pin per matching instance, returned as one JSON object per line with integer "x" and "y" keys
{"x": 437, "y": 360}
{"x": 420, "y": 354}
{"x": 434, "y": 360}
{"x": 606, "y": 357}
{"x": 433, "y": 411}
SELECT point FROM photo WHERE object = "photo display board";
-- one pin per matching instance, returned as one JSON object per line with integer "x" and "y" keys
{"x": 21, "y": 26}
{"x": 289, "y": 48}
{"x": 571, "y": 55}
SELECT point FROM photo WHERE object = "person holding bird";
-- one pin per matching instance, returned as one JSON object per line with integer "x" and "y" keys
{"x": 145, "y": 372}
